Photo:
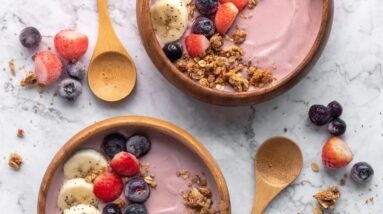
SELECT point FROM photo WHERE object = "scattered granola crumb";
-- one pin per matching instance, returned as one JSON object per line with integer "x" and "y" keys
{"x": 314, "y": 167}
{"x": 245, "y": 16}
{"x": 253, "y": 4}
{"x": 121, "y": 203}
{"x": 20, "y": 133}
{"x": 12, "y": 67}
{"x": 191, "y": 9}
{"x": 196, "y": 201}
{"x": 327, "y": 198}
{"x": 260, "y": 77}
{"x": 342, "y": 182}
{"x": 144, "y": 168}
{"x": 15, "y": 161}
{"x": 239, "y": 37}
{"x": 150, "y": 180}
{"x": 184, "y": 174}
{"x": 29, "y": 80}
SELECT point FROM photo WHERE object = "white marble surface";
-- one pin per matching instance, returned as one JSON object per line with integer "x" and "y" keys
{"x": 349, "y": 71}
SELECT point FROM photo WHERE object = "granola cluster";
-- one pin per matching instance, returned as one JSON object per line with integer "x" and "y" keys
{"x": 223, "y": 66}
{"x": 15, "y": 161}
{"x": 327, "y": 198}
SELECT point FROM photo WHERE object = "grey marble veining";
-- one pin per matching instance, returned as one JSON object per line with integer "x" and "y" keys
{"x": 350, "y": 71}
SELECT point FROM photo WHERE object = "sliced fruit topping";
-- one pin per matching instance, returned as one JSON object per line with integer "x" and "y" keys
{"x": 319, "y": 115}
{"x": 82, "y": 209}
{"x": 335, "y": 109}
{"x": 137, "y": 190}
{"x": 30, "y": 37}
{"x": 173, "y": 51}
{"x": 337, "y": 127}
{"x": 225, "y": 17}
{"x": 70, "y": 89}
{"x": 138, "y": 145}
{"x": 136, "y": 209}
{"x": 76, "y": 70}
{"x": 336, "y": 153}
{"x": 84, "y": 162}
{"x": 362, "y": 172}
{"x": 108, "y": 186}
{"x": 113, "y": 143}
{"x": 203, "y": 25}
{"x": 206, "y": 7}
{"x": 240, "y": 4}
{"x": 74, "y": 192}
{"x": 70, "y": 44}
{"x": 111, "y": 209}
{"x": 48, "y": 67}
{"x": 125, "y": 164}
{"x": 196, "y": 45}
{"x": 170, "y": 19}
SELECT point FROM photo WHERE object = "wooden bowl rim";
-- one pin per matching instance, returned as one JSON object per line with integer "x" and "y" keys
{"x": 191, "y": 87}
{"x": 169, "y": 129}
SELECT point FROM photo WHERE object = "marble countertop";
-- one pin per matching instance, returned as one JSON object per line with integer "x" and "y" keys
{"x": 350, "y": 71}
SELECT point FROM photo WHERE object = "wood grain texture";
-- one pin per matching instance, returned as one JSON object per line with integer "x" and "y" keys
{"x": 112, "y": 73}
{"x": 173, "y": 131}
{"x": 192, "y": 88}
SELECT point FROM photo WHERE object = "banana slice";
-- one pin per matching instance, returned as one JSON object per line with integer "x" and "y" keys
{"x": 74, "y": 192}
{"x": 83, "y": 163}
{"x": 82, "y": 209}
{"x": 170, "y": 19}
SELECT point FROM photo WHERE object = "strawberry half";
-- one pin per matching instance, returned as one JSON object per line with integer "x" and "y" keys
{"x": 196, "y": 44}
{"x": 125, "y": 164}
{"x": 336, "y": 153}
{"x": 108, "y": 186}
{"x": 225, "y": 17}
{"x": 70, "y": 44}
{"x": 240, "y": 4}
{"x": 48, "y": 67}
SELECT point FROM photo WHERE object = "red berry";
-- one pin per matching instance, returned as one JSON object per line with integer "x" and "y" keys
{"x": 70, "y": 44}
{"x": 108, "y": 186}
{"x": 225, "y": 17}
{"x": 336, "y": 153}
{"x": 48, "y": 67}
{"x": 240, "y": 4}
{"x": 125, "y": 164}
{"x": 196, "y": 44}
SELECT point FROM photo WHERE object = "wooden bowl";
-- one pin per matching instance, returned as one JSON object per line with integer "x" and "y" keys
{"x": 185, "y": 84}
{"x": 142, "y": 125}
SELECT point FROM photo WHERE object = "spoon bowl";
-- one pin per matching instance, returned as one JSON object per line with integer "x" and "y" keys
{"x": 112, "y": 73}
{"x": 278, "y": 163}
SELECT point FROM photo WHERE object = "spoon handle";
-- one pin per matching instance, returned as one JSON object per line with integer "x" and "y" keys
{"x": 264, "y": 194}
{"x": 107, "y": 39}
{"x": 104, "y": 21}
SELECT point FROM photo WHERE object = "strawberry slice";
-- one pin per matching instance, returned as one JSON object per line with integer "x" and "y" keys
{"x": 70, "y": 44}
{"x": 48, "y": 67}
{"x": 125, "y": 164}
{"x": 336, "y": 153}
{"x": 196, "y": 44}
{"x": 241, "y": 4}
{"x": 225, "y": 17}
{"x": 108, "y": 186}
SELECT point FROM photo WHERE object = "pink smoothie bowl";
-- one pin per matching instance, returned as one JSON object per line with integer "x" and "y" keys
{"x": 286, "y": 36}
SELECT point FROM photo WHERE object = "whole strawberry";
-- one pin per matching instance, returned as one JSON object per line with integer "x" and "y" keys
{"x": 70, "y": 44}
{"x": 108, "y": 186}
{"x": 336, "y": 153}
{"x": 125, "y": 164}
{"x": 48, "y": 67}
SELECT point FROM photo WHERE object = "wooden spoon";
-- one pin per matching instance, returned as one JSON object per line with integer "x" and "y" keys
{"x": 112, "y": 73}
{"x": 278, "y": 163}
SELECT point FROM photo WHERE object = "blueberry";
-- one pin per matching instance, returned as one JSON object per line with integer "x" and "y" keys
{"x": 111, "y": 209}
{"x": 76, "y": 70}
{"x": 206, "y": 7}
{"x": 173, "y": 51}
{"x": 337, "y": 127}
{"x": 138, "y": 145}
{"x": 70, "y": 89}
{"x": 335, "y": 109}
{"x": 362, "y": 173}
{"x": 319, "y": 115}
{"x": 203, "y": 25}
{"x": 113, "y": 144}
{"x": 135, "y": 209}
{"x": 30, "y": 37}
{"x": 137, "y": 190}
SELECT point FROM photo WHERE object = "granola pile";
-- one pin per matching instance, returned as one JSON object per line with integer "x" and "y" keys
{"x": 223, "y": 66}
